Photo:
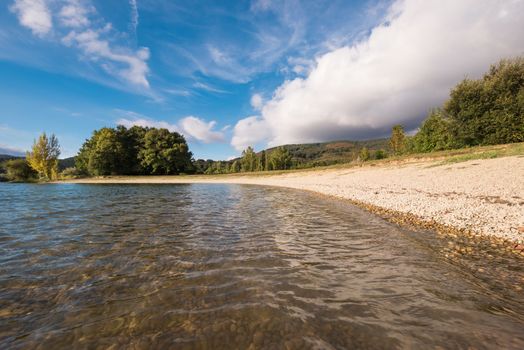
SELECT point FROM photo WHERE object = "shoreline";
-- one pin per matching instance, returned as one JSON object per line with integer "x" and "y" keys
{"x": 478, "y": 197}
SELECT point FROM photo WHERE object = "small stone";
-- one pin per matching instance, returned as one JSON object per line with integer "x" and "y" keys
{"x": 258, "y": 338}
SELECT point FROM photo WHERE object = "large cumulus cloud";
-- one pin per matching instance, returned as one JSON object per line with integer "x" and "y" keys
{"x": 405, "y": 67}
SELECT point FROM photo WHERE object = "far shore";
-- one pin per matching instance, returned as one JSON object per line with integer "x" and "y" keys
{"x": 475, "y": 197}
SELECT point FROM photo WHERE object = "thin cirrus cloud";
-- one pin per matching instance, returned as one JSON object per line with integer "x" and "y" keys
{"x": 405, "y": 67}
{"x": 93, "y": 38}
{"x": 193, "y": 128}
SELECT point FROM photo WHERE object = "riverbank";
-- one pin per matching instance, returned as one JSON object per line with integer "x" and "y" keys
{"x": 479, "y": 197}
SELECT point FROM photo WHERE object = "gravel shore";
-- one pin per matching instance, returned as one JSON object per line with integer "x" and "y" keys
{"x": 480, "y": 196}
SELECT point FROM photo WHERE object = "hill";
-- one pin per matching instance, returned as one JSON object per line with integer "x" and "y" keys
{"x": 4, "y": 157}
{"x": 307, "y": 155}
{"x": 328, "y": 153}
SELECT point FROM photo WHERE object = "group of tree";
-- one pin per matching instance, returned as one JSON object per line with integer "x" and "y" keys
{"x": 275, "y": 159}
{"x": 134, "y": 151}
{"x": 41, "y": 163}
{"x": 485, "y": 111}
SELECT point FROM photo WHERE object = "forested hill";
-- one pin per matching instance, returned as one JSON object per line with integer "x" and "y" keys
{"x": 4, "y": 157}
{"x": 297, "y": 156}
{"x": 328, "y": 153}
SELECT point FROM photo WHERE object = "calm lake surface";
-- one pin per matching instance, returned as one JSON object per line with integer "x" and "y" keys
{"x": 232, "y": 266}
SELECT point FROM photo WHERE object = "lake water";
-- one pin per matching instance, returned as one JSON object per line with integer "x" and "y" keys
{"x": 232, "y": 266}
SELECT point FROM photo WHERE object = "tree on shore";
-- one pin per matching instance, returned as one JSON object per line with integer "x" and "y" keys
{"x": 397, "y": 141}
{"x": 43, "y": 157}
{"x": 364, "y": 154}
{"x": 134, "y": 151}
{"x": 280, "y": 159}
{"x": 249, "y": 160}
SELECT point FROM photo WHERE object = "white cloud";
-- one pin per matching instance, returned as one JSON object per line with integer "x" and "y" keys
{"x": 248, "y": 132}
{"x": 94, "y": 38}
{"x": 193, "y": 128}
{"x": 33, "y": 14}
{"x": 200, "y": 130}
{"x": 257, "y": 101}
{"x": 130, "y": 66}
{"x": 134, "y": 14}
{"x": 146, "y": 122}
{"x": 207, "y": 87}
{"x": 74, "y": 15}
{"x": 405, "y": 67}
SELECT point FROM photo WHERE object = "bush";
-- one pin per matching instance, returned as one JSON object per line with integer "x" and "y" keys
{"x": 18, "y": 170}
{"x": 380, "y": 154}
{"x": 71, "y": 173}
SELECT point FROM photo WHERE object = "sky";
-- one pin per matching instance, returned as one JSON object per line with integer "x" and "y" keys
{"x": 232, "y": 74}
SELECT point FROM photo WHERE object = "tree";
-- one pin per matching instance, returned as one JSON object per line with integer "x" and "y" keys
{"x": 261, "y": 162}
{"x": 280, "y": 159}
{"x": 380, "y": 154}
{"x": 398, "y": 140}
{"x": 43, "y": 157}
{"x": 19, "y": 170}
{"x": 249, "y": 160}
{"x": 489, "y": 110}
{"x": 137, "y": 150}
{"x": 235, "y": 167}
{"x": 364, "y": 154}
{"x": 105, "y": 153}
{"x": 164, "y": 153}
{"x": 434, "y": 134}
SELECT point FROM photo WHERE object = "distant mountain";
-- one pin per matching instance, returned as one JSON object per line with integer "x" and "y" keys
{"x": 5, "y": 151}
{"x": 4, "y": 157}
{"x": 66, "y": 163}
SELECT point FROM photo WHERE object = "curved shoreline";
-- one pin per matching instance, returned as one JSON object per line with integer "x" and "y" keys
{"x": 478, "y": 197}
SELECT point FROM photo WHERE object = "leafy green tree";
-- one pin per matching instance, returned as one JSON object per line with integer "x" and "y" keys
{"x": 261, "y": 161}
{"x": 380, "y": 154}
{"x": 132, "y": 141}
{"x": 164, "y": 153}
{"x": 105, "y": 153}
{"x": 280, "y": 159}
{"x": 434, "y": 134}
{"x": 364, "y": 154}
{"x": 235, "y": 167}
{"x": 43, "y": 157}
{"x": 19, "y": 170}
{"x": 249, "y": 160}
{"x": 397, "y": 141}
{"x": 489, "y": 110}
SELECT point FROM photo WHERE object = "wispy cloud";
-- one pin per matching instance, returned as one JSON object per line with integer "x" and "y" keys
{"x": 33, "y": 14}
{"x": 74, "y": 15}
{"x": 194, "y": 128}
{"x": 79, "y": 26}
{"x": 206, "y": 87}
{"x": 134, "y": 14}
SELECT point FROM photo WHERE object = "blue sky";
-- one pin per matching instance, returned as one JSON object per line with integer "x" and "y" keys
{"x": 228, "y": 74}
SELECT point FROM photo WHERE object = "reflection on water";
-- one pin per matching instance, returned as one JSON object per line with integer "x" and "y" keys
{"x": 230, "y": 266}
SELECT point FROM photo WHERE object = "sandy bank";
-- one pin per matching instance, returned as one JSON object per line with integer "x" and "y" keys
{"x": 481, "y": 196}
